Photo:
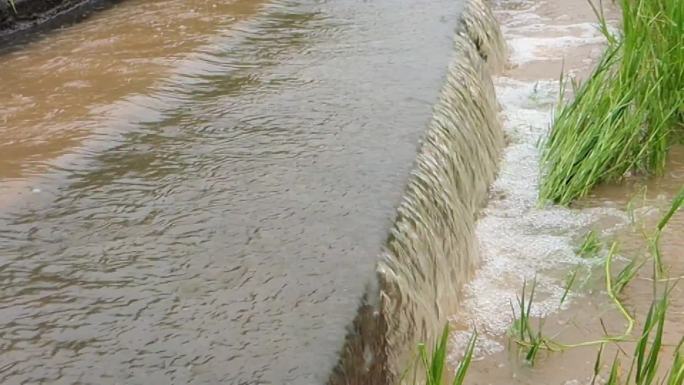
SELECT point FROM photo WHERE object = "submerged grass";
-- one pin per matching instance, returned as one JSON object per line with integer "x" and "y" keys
{"x": 647, "y": 355}
{"x": 647, "y": 351}
{"x": 622, "y": 120}
{"x": 568, "y": 285}
{"x": 529, "y": 340}
{"x": 590, "y": 246}
{"x": 645, "y": 360}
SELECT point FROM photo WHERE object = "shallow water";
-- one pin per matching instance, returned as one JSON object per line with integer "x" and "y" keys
{"x": 522, "y": 241}
{"x": 197, "y": 192}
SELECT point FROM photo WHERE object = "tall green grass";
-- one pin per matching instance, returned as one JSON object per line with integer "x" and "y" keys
{"x": 621, "y": 120}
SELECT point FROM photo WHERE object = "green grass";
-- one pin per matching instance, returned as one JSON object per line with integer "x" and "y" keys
{"x": 647, "y": 351}
{"x": 14, "y": 7}
{"x": 626, "y": 275}
{"x": 647, "y": 355}
{"x": 645, "y": 360}
{"x": 655, "y": 240}
{"x": 568, "y": 285}
{"x": 590, "y": 246}
{"x": 676, "y": 375}
{"x": 521, "y": 327}
{"x": 529, "y": 339}
{"x": 435, "y": 364}
{"x": 622, "y": 119}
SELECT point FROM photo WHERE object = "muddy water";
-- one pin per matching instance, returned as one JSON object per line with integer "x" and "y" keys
{"x": 57, "y": 81}
{"x": 196, "y": 192}
{"x": 522, "y": 241}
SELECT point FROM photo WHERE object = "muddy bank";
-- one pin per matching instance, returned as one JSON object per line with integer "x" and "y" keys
{"x": 31, "y": 15}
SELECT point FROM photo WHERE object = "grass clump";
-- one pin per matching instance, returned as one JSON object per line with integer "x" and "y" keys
{"x": 530, "y": 341}
{"x": 435, "y": 363}
{"x": 623, "y": 119}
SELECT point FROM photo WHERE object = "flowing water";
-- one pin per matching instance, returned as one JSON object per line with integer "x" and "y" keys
{"x": 521, "y": 241}
{"x": 198, "y": 192}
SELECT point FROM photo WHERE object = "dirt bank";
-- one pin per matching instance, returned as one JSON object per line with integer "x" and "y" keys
{"x": 30, "y": 15}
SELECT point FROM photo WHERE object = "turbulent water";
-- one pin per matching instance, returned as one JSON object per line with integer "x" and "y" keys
{"x": 521, "y": 240}
{"x": 289, "y": 192}
{"x": 197, "y": 192}
{"x": 432, "y": 249}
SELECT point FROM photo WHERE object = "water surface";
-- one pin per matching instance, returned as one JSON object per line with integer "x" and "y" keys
{"x": 196, "y": 192}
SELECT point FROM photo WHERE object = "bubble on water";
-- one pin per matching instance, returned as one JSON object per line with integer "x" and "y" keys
{"x": 521, "y": 241}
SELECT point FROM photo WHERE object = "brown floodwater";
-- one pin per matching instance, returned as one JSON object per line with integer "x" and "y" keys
{"x": 522, "y": 241}
{"x": 196, "y": 192}
{"x": 54, "y": 85}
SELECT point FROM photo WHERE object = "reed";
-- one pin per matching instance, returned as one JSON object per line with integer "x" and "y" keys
{"x": 622, "y": 120}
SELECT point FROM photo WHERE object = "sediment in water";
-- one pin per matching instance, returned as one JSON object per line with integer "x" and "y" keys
{"x": 432, "y": 249}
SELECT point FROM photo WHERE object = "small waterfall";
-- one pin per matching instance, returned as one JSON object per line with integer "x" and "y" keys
{"x": 432, "y": 250}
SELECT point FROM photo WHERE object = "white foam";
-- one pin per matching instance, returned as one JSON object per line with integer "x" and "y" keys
{"x": 528, "y": 49}
{"x": 519, "y": 240}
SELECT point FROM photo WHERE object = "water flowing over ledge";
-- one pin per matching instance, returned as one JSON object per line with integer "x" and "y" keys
{"x": 432, "y": 251}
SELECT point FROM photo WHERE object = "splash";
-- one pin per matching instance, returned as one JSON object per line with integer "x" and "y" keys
{"x": 519, "y": 240}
